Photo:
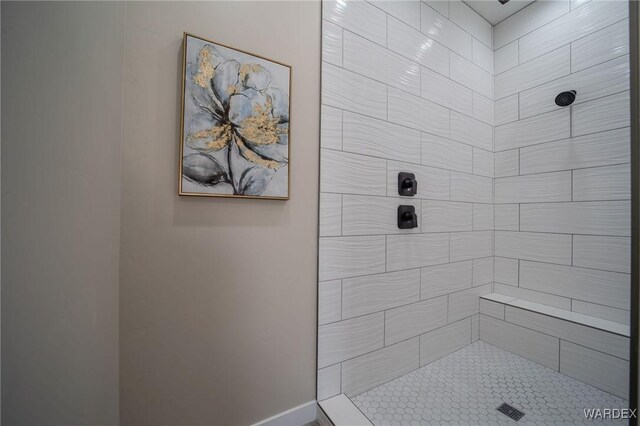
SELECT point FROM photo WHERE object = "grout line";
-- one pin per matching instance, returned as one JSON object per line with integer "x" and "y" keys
{"x": 447, "y": 310}
{"x": 502, "y": 178}
{"x": 470, "y": 231}
{"x": 573, "y": 169}
{"x": 386, "y": 246}
{"x": 384, "y": 329}
{"x": 386, "y": 174}
{"x": 342, "y": 215}
{"x": 434, "y": 234}
{"x": 448, "y": 18}
{"x": 555, "y": 81}
{"x": 592, "y": 32}
{"x": 572, "y": 189}
{"x": 403, "y": 88}
{"x": 564, "y": 139}
{"x": 557, "y": 296}
{"x": 415, "y": 128}
{"x": 572, "y": 245}
{"x": 341, "y": 130}
{"x": 556, "y": 108}
{"x": 420, "y": 289}
{"x": 399, "y": 342}
{"x": 559, "y": 351}
{"x": 472, "y": 325}
{"x": 617, "y": 201}
{"x": 512, "y": 306}
{"x": 541, "y": 26}
{"x": 341, "y": 299}
{"x": 560, "y": 264}
{"x": 537, "y": 57}
{"x": 557, "y": 337}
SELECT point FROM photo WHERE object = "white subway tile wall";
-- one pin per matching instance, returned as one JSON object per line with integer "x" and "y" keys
{"x": 562, "y": 209}
{"x": 603, "y": 79}
{"x": 590, "y": 349}
{"x": 516, "y": 195}
{"x": 407, "y": 87}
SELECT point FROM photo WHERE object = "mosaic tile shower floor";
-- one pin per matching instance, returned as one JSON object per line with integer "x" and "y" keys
{"x": 467, "y": 386}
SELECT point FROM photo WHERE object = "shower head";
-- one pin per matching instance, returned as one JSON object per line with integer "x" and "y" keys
{"x": 503, "y": 1}
{"x": 566, "y": 98}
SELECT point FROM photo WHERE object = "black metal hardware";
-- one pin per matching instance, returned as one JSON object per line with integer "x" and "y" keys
{"x": 510, "y": 411}
{"x": 566, "y": 98}
{"x": 407, "y": 217}
{"x": 407, "y": 184}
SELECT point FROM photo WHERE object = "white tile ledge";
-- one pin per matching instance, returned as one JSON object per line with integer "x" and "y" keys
{"x": 500, "y": 298}
{"x": 587, "y": 320}
{"x": 343, "y": 412}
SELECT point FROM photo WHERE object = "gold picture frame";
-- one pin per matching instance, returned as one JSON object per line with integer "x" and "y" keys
{"x": 234, "y": 123}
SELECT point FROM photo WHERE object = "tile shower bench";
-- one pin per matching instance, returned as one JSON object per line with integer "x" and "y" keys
{"x": 587, "y": 348}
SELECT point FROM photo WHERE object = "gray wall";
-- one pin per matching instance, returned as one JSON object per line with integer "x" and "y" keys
{"x": 217, "y": 297}
{"x": 61, "y": 131}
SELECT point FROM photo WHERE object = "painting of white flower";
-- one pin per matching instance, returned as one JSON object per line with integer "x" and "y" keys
{"x": 235, "y": 123}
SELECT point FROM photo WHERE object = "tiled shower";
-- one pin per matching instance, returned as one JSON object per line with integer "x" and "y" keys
{"x": 523, "y": 206}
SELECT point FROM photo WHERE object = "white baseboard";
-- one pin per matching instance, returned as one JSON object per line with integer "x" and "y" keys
{"x": 296, "y": 416}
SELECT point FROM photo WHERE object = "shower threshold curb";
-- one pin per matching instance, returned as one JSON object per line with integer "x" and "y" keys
{"x": 342, "y": 412}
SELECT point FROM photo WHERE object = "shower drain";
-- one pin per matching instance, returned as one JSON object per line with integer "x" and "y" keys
{"x": 511, "y": 412}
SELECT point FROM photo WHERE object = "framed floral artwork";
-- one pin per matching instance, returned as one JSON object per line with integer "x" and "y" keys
{"x": 235, "y": 123}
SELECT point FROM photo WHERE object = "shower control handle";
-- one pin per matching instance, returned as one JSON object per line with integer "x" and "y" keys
{"x": 407, "y": 184}
{"x": 407, "y": 218}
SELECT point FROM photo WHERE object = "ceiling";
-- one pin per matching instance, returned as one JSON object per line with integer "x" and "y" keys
{"x": 493, "y": 11}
